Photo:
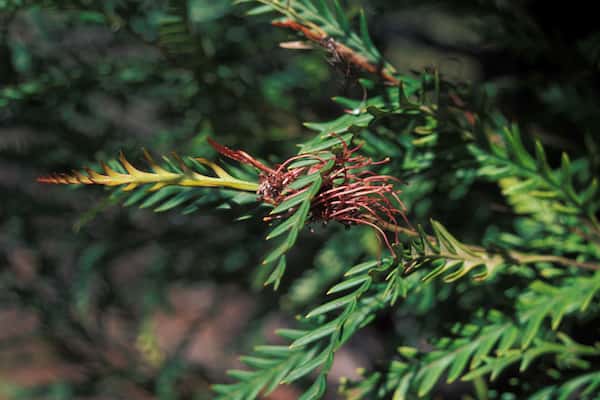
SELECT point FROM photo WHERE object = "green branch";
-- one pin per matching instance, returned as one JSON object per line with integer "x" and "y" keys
{"x": 436, "y": 247}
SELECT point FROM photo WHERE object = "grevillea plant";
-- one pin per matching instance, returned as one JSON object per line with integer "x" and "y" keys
{"x": 371, "y": 169}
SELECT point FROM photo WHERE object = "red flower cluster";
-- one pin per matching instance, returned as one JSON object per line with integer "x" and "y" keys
{"x": 351, "y": 193}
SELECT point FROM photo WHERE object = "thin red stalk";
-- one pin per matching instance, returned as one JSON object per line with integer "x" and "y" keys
{"x": 282, "y": 166}
{"x": 239, "y": 155}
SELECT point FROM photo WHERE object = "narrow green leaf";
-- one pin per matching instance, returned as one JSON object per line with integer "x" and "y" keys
{"x": 402, "y": 390}
{"x": 461, "y": 268}
{"x": 565, "y": 167}
{"x": 431, "y": 375}
{"x": 516, "y": 148}
{"x": 326, "y": 142}
{"x": 509, "y": 337}
{"x": 316, "y": 334}
{"x": 223, "y": 389}
{"x": 302, "y": 214}
{"x": 522, "y": 187}
{"x": 258, "y": 362}
{"x": 360, "y": 268}
{"x": 176, "y": 200}
{"x": 588, "y": 194}
{"x": 241, "y": 375}
{"x": 291, "y": 239}
{"x": 276, "y": 253}
{"x": 283, "y": 226}
{"x": 591, "y": 293}
{"x": 303, "y": 181}
{"x": 349, "y": 283}
{"x": 340, "y": 17}
{"x": 258, "y": 10}
{"x": 501, "y": 365}
{"x": 364, "y": 34}
{"x": 136, "y": 196}
{"x": 541, "y": 161}
{"x": 485, "y": 346}
{"x": 459, "y": 363}
{"x": 277, "y": 274}
{"x": 407, "y": 351}
{"x": 557, "y": 314}
{"x": 324, "y": 10}
{"x": 573, "y": 385}
{"x": 291, "y": 201}
{"x": 308, "y": 366}
{"x": 280, "y": 375}
{"x": 331, "y": 305}
{"x": 435, "y": 272}
{"x": 291, "y": 334}
{"x": 532, "y": 328}
{"x": 530, "y": 355}
{"x": 449, "y": 240}
{"x": 273, "y": 351}
{"x": 305, "y": 162}
{"x": 160, "y": 195}
{"x": 316, "y": 390}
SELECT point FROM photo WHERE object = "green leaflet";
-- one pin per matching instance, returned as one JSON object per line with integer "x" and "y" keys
{"x": 451, "y": 356}
{"x": 331, "y": 305}
{"x": 307, "y": 367}
{"x": 283, "y": 227}
{"x": 497, "y": 342}
{"x": 366, "y": 38}
{"x": 309, "y": 349}
{"x": 277, "y": 274}
{"x": 331, "y": 17}
{"x": 430, "y": 376}
{"x": 320, "y": 332}
{"x": 293, "y": 201}
{"x": 316, "y": 390}
{"x": 533, "y": 178}
{"x": 360, "y": 268}
{"x": 587, "y": 384}
{"x": 449, "y": 257}
{"x": 543, "y": 301}
{"x": 324, "y": 142}
{"x": 349, "y": 283}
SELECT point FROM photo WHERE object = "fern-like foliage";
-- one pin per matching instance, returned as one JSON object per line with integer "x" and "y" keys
{"x": 174, "y": 30}
{"x": 449, "y": 257}
{"x": 319, "y": 15}
{"x": 542, "y": 300}
{"x": 491, "y": 344}
{"x": 483, "y": 349}
{"x": 159, "y": 177}
{"x": 506, "y": 157}
{"x": 165, "y": 187}
{"x": 312, "y": 348}
{"x": 584, "y": 386}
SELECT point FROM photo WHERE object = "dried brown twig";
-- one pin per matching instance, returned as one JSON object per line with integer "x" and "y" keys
{"x": 338, "y": 50}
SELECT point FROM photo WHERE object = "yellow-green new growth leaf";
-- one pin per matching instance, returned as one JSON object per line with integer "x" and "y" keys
{"x": 158, "y": 176}
{"x": 449, "y": 257}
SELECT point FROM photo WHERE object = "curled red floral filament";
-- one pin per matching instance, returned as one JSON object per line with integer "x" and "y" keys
{"x": 351, "y": 193}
